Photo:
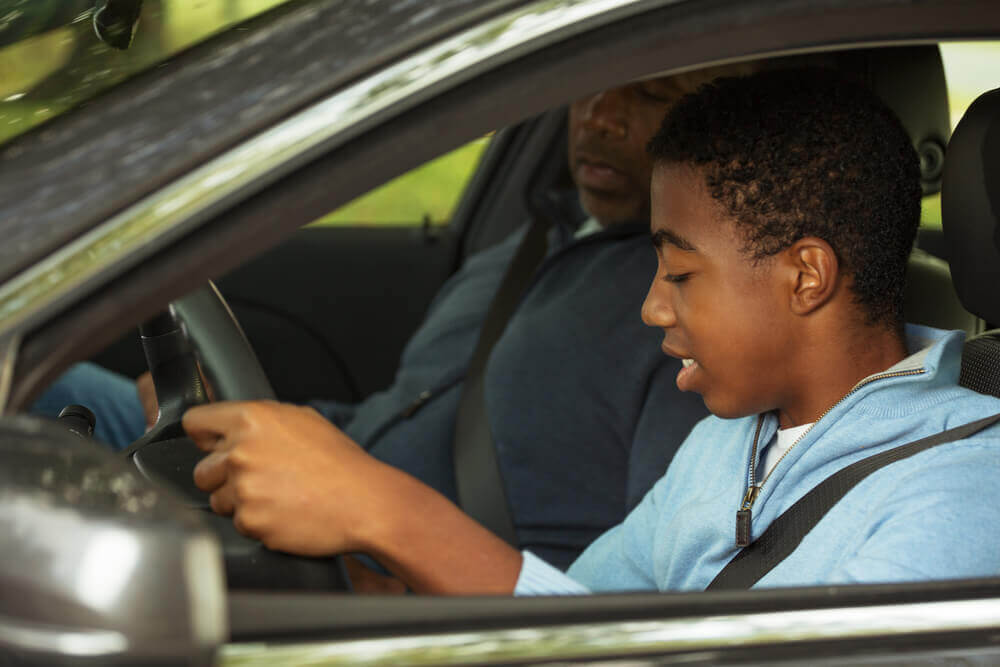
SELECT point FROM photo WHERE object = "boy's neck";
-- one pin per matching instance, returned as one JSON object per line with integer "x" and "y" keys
{"x": 832, "y": 369}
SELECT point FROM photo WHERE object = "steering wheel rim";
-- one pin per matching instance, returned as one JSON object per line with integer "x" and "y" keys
{"x": 226, "y": 357}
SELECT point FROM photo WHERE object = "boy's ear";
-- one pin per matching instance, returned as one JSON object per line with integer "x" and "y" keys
{"x": 815, "y": 272}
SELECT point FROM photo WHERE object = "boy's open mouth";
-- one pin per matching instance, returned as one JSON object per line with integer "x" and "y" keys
{"x": 684, "y": 377}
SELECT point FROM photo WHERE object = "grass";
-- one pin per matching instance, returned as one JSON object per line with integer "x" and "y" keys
{"x": 430, "y": 191}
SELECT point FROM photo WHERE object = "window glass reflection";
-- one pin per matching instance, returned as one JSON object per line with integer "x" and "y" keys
{"x": 56, "y": 54}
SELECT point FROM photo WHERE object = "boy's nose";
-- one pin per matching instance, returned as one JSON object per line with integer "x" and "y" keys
{"x": 657, "y": 310}
{"x": 607, "y": 113}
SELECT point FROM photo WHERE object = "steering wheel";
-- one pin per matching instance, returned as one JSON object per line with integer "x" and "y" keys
{"x": 198, "y": 336}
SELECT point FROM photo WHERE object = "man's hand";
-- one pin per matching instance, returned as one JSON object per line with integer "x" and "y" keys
{"x": 292, "y": 480}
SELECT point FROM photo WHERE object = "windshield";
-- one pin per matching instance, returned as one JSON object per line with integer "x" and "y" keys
{"x": 57, "y": 54}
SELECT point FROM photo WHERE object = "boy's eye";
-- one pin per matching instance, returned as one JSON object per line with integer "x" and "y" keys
{"x": 676, "y": 277}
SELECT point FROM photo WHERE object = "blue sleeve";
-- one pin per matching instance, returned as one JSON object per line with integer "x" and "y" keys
{"x": 622, "y": 558}
{"x": 539, "y": 578}
{"x": 932, "y": 527}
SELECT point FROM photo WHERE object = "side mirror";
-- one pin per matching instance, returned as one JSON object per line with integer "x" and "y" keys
{"x": 115, "y": 21}
{"x": 96, "y": 564}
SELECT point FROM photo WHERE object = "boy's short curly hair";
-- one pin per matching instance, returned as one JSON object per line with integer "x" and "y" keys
{"x": 804, "y": 152}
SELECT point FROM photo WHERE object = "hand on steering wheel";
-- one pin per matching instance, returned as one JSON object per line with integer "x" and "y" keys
{"x": 199, "y": 336}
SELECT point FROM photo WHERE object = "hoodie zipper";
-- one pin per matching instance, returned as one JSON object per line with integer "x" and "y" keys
{"x": 744, "y": 515}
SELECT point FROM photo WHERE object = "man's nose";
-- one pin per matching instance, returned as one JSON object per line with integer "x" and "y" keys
{"x": 607, "y": 113}
{"x": 657, "y": 309}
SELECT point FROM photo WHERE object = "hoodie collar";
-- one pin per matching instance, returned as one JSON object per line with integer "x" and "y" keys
{"x": 934, "y": 363}
{"x": 934, "y": 351}
{"x": 935, "y": 359}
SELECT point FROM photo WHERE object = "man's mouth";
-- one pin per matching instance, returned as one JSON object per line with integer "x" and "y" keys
{"x": 596, "y": 174}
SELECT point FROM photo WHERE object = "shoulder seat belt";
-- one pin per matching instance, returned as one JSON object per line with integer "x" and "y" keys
{"x": 785, "y": 534}
{"x": 478, "y": 480}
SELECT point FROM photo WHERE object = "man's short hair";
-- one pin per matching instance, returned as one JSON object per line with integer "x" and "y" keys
{"x": 804, "y": 152}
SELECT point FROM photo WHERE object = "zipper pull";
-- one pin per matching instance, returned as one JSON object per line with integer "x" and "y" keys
{"x": 743, "y": 517}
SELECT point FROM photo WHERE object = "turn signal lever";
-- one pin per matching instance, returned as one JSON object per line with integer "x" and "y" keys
{"x": 175, "y": 374}
{"x": 164, "y": 453}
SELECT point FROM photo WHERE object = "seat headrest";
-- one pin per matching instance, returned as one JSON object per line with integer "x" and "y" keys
{"x": 911, "y": 82}
{"x": 970, "y": 207}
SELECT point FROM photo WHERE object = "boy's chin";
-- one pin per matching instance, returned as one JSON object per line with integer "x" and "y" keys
{"x": 724, "y": 409}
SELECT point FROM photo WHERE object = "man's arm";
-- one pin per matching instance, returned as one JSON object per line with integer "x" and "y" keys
{"x": 293, "y": 481}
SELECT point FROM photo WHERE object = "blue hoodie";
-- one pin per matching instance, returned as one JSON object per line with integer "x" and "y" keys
{"x": 931, "y": 516}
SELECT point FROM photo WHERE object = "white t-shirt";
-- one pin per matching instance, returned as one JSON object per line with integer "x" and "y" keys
{"x": 781, "y": 443}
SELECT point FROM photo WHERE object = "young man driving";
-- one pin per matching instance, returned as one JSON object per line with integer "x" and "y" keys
{"x": 784, "y": 206}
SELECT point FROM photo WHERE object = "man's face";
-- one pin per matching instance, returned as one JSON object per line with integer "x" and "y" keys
{"x": 715, "y": 306}
{"x": 608, "y": 133}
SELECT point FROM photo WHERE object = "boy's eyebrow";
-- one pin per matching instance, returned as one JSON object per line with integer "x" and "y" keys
{"x": 664, "y": 236}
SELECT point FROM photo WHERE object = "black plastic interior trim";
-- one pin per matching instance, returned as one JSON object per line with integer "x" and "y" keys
{"x": 354, "y": 394}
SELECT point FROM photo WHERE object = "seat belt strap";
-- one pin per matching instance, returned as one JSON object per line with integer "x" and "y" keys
{"x": 478, "y": 479}
{"x": 786, "y": 532}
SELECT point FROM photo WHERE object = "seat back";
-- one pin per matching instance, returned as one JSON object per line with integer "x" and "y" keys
{"x": 970, "y": 215}
{"x": 930, "y": 297}
{"x": 911, "y": 81}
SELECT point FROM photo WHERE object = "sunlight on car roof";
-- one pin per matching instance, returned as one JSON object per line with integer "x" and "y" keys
{"x": 56, "y": 54}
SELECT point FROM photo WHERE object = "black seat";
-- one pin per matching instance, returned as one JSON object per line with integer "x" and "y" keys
{"x": 970, "y": 214}
{"x": 930, "y": 297}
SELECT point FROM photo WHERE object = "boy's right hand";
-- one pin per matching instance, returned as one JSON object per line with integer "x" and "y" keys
{"x": 288, "y": 477}
{"x": 298, "y": 484}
